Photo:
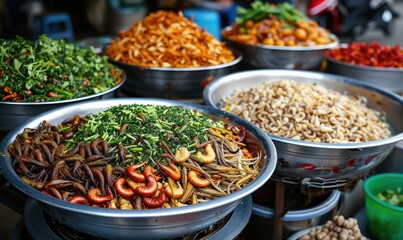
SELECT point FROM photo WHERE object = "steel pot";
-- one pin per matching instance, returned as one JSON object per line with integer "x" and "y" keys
{"x": 388, "y": 78}
{"x": 141, "y": 224}
{"x": 281, "y": 57}
{"x": 172, "y": 83}
{"x": 326, "y": 161}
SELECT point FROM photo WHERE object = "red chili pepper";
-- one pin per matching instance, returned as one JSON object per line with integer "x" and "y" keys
{"x": 112, "y": 71}
{"x": 29, "y": 92}
{"x": 85, "y": 83}
{"x": 369, "y": 54}
{"x": 52, "y": 95}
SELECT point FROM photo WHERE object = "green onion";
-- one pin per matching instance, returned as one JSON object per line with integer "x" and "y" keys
{"x": 149, "y": 125}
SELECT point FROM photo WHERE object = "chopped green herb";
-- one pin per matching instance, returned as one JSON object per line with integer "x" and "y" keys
{"x": 52, "y": 70}
{"x": 260, "y": 11}
{"x": 148, "y": 126}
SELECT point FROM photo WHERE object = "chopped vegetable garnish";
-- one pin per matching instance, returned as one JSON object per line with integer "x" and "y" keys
{"x": 52, "y": 70}
{"x": 147, "y": 125}
{"x": 394, "y": 197}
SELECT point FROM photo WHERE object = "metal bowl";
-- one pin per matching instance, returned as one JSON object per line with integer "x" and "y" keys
{"x": 388, "y": 78}
{"x": 13, "y": 114}
{"x": 265, "y": 56}
{"x": 142, "y": 224}
{"x": 325, "y": 161}
{"x": 172, "y": 83}
{"x": 295, "y": 220}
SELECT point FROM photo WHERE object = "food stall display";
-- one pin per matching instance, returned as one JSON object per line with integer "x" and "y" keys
{"x": 274, "y": 129}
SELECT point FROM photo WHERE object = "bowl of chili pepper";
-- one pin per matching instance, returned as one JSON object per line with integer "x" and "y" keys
{"x": 149, "y": 168}
{"x": 40, "y": 75}
{"x": 377, "y": 64}
{"x": 278, "y": 36}
{"x": 167, "y": 55}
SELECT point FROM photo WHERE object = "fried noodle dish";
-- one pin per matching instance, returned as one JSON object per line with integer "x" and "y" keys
{"x": 136, "y": 157}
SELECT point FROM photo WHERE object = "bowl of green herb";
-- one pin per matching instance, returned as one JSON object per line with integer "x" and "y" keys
{"x": 384, "y": 205}
{"x": 43, "y": 74}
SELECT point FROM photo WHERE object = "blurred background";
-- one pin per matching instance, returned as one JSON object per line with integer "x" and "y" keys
{"x": 76, "y": 20}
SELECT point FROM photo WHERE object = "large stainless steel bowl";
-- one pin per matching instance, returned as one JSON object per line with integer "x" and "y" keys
{"x": 141, "y": 224}
{"x": 278, "y": 57}
{"x": 172, "y": 83}
{"x": 13, "y": 114}
{"x": 387, "y": 78}
{"x": 325, "y": 161}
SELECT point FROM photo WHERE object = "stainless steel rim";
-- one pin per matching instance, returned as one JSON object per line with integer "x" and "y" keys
{"x": 68, "y": 100}
{"x": 365, "y": 68}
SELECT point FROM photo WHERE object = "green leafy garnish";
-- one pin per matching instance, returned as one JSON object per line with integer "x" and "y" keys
{"x": 52, "y": 70}
{"x": 260, "y": 11}
{"x": 147, "y": 126}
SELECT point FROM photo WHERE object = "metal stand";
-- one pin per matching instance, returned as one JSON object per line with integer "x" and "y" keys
{"x": 11, "y": 197}
{"x": 279, "y": 210}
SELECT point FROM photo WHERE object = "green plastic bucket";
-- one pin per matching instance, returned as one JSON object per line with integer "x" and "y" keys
{"x": 384, "y": 220}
